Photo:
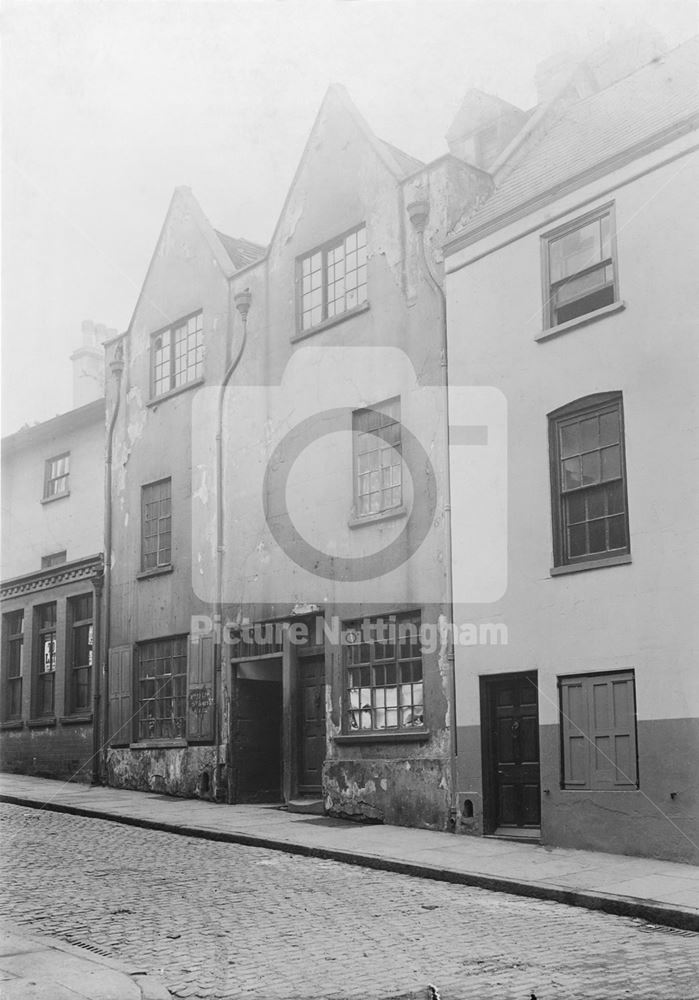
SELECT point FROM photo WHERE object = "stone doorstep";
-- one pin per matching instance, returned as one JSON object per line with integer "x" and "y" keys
{"x": 313, "y": 807}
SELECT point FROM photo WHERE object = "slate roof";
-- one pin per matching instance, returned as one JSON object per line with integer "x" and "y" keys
{"x": 595, "y": 129}
{"x": 242, "y": 252}
{"x": 406, "y": 164}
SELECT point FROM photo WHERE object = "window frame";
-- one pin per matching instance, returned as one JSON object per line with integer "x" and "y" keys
{"x": 359, "y": 516}
{"x": 177, "y": 698}
{"x": 568, "y": 680}
{"x": 173, "y": 387}
{"x": 400, "y": 730}
{"x": 54, "y": 559}
{"x": 49, "y": 479}
{"x": 13, "y": 682}
{"x": 578, "y": 410}
{"x": 73, "y": 708}
{"x": 159, "y": 566}
{"x": 550, "y": 321}
{"x": 43, "y": 632}
{"x": 324, "y": 249}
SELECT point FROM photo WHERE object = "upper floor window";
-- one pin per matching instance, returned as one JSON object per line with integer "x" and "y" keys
{"x": 55, "y": 559}
{"x": 588, "y": 480}
{"x": 156, "y": 526}
{"x": 383, "y": 672}
{"x": 81, "y": 650}
{"x": 46, "y": 659}
{"x": 57, "y": 476}
{"x": 377, "y": 458}
{"x": 333, "y": 279}
{"x": 177, "y": 355}
{"x": 580, "y": 268}
{"x": 14, "y": 640}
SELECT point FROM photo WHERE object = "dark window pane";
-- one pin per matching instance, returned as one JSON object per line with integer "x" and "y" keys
{"x": 598, "y": 536}
{"x": 615, "y": 497}
{"x": 589, "y": 434}
{"x": 590, "y": 468}
{"x": 577, "y": 540}
{"x": 611, "y": 462}
{"x": 570, "y": 440}
{"x": 617, "y": 532}
{"x": 596, "y": 502}
{"x": 609, "y": 428}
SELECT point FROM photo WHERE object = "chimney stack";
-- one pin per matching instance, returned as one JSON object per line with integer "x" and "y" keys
{"x": 88, "y": 363}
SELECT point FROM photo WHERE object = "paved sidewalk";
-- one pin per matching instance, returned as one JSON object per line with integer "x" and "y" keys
{"x": 662, "y": 892}
{"x": 38, "y": 968}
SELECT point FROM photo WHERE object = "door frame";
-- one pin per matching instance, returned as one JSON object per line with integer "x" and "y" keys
{"x": 488, "y": 757}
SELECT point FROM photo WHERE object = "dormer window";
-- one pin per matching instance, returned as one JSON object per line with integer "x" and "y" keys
{"x": 177, "y": 355}
{"x": 333, "y": 279}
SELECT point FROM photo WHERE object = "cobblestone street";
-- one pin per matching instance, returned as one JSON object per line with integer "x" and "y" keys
{"x": 222, "y": 920}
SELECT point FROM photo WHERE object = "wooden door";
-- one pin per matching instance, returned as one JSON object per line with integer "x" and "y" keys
{"x": 311, "y": 719}
{"x": 513, "y": 751}
{"x": 257, "y": 742}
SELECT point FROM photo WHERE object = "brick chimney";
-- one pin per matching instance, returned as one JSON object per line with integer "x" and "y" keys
{"x": 88, "y": 363}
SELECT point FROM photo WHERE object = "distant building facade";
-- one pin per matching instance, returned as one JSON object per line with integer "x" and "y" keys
{"x": 53, "y": 518}
{"x": 584, "y": 730}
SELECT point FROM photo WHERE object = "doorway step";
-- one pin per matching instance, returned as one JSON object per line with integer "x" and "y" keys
{"x": 311, "y": 806}
{"x": 531, "y": 835}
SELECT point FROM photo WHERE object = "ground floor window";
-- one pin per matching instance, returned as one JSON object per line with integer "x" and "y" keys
{"x": 46, "y": 666}
{"x": 14, "y": 639}
{"x": 383, "y": 672}
{"x": 162, "y": 688}
{"x": 81, "y": 653}
{"x": 598, "y": 731}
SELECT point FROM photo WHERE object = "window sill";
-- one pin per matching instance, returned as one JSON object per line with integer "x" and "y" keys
{"x": 332, "y": 321}
{"x": 12, "y": 724}
{"x": 46, "y": 723}
{"x": 175, "y": 392}
{"x": 419, "y": 736}
{"x": 77, "y": 719}
{"x": 573, "y": 324}
{"x": 59, "y": 496}
{"x": 158, "y": 744}
{"x": 357, "y": 521}
{"x": 158, "y": 571}
{"x": 621, "y": 560}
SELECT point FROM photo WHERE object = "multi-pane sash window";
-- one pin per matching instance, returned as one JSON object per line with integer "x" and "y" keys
{"x": 598, "y": 723}
{"x": 162, "y": 688}
{"x": 156, "y": 525}
{"x": 177, "y": 355}
{"x": 377, "y": 458}
{"x": 46, "y": 666}
{"x": 81, "y": 653}
{"x": 14, "y": 637}
{"x": 588, "y": 480}
{"x": 57, "y": 476}
{"x": 333, "y": 279}
{"x": 581, "y": 269}
{"x": 55, "y": 559}
{"x": 383, "y": 670}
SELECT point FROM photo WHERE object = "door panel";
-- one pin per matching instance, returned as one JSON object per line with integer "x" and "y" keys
{"x": 257, "y": 747}
{"x": 311, "y": 715}
{"x": 512, "y": 761}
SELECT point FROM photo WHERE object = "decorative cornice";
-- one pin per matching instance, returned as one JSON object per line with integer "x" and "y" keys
{"x": 81, "y": 569}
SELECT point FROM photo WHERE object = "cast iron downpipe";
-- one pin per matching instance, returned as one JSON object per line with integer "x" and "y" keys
{"x": 242, "y": 303}
{"x": 116, "y": 366}
{"x": 419, "y": 213}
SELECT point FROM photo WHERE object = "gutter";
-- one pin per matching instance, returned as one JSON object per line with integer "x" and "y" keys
{"x": 100, "y": 733}
{"x": 418, "y": 212}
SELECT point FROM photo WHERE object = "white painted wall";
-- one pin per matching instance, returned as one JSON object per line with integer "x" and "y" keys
{"x": 642, "y": 615}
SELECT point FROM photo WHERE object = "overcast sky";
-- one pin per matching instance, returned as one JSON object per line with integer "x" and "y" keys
{"x": 107, "y": 106}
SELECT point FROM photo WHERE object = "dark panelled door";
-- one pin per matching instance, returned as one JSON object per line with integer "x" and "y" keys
{"x": 311, "y": 716}
{"x": 514, "y": 715}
